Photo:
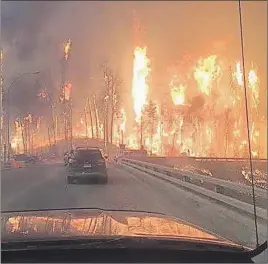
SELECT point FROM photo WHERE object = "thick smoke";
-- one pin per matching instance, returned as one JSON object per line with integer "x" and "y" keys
{"x": 25, "y": 48}
{"x": 33, "y": 38}
{"x": 22, "y": 24}
{"x": 33, "y": 34}
{"x": 197, "y": 103}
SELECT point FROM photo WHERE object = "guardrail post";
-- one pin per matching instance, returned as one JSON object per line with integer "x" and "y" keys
{"x": 186, "y": 178}
{"x": 219, "y": 189}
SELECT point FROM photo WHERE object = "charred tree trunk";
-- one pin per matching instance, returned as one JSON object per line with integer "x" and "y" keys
{"x": 112, "y": 126}
{"x": 23, "y": 136}
{"x": 151, "y": 137}
{"x": 96, "y": 117}
{"x": 104, "y": 130}
{"x": 28, "y": 137}
{"x": 112, "y": 106}
{"x": 32, "y": 140}
{"x": 106, "y": 125}
{"x": 90, "y": 117}
{"x": 54, "y": 121}
{"x": 226, "y": 133}
{"x": 48, "y": 134}
{"x": 85, "y": 113}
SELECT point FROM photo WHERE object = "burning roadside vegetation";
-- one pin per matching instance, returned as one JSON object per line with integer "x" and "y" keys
{"x": 197, "y": 111}
{"x": 239, "y": 174}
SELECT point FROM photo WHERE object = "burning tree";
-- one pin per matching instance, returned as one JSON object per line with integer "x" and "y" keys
{"x": 122, "y": 126}
{"x": 112, "y": 83}
{"x": 96, "y": 114}
{"x": 88, "y": 111}
{"x": 150, "y": 120}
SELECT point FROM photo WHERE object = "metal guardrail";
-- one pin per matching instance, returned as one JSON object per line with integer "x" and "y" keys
{"x": 221, "y": 185}
{"x": 227, "y": 159}
{"x": 207, "y": 158}
{"x": 219, "y": 189}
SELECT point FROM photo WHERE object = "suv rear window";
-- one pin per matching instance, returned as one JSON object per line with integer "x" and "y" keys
{"x": 92, "y": 155}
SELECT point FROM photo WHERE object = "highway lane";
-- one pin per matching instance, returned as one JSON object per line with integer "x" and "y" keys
{"x": 45, "y": 187}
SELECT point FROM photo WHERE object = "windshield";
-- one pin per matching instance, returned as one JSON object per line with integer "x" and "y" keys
{"x": 158, "y": 89}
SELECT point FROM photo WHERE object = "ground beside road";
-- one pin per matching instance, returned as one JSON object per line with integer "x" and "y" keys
{"x": 234, "y": 171}
{"x": 44, "y": 186}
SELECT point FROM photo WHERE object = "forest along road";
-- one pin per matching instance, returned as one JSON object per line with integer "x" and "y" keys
{"x": 44, "y": 186}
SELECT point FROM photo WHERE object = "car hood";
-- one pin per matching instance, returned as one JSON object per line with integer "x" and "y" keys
{"x": 93, "y": 223}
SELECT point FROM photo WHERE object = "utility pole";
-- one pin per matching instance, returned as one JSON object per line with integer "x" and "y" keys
{"x": 3, "y": 139}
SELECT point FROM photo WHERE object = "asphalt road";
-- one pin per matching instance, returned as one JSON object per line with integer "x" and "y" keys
{"x": 45, "y": 187}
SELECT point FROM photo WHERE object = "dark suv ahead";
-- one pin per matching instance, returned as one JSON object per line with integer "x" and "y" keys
{"x": 87, "y": 163}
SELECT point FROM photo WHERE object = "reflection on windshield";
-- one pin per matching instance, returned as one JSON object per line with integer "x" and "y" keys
{"x": 103, "y": 225}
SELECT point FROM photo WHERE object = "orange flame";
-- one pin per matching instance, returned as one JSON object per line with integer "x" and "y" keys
{"x": 66, "y": 93}
{"x": 67, "y": 48}
{"x": 206, "y": 72}
{"x": 16, "y": 141}
{"x": 38, "y": 124}
{"x": 253, "y": 85}
{"x": 177, "y": 92}
{"x": 238, "y": 74}
{"x": 139, "y": 86}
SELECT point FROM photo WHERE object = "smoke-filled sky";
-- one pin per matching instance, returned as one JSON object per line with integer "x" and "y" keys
{"x": 33, "y": 34}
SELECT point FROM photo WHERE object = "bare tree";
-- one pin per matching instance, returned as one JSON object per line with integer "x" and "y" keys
{"x": 22, "y": 126}
{"x": 151, "y": 116}
{"x": 48, "y": 135}
{"x": 86, "y": 124}
{"x": 111, "y": 98}
{"x": 96, "y": 116}
{"x": 90, "y": 116}
{"x": 54, "y": 122}
{"x": 226, "y": 130}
